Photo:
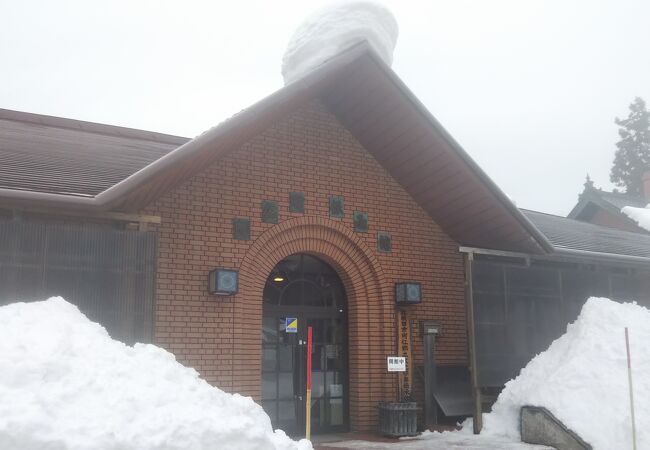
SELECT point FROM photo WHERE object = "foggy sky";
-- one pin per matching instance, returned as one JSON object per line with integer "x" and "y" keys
{"x": 529, "y": 88}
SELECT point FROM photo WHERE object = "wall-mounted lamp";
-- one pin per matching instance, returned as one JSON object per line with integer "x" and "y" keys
{"x": 223, "y": 282}
{"x": 408, "y": 293}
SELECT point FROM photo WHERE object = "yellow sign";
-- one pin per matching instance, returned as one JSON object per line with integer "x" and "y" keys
{"x": 291, "y": 325}
{"x": 404, "y": 350}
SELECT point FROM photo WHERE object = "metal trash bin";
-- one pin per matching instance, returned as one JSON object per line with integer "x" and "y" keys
{"x": 398, "y": 419}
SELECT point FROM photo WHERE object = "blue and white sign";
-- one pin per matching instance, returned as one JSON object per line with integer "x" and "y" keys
{"x": 291, "y": 324}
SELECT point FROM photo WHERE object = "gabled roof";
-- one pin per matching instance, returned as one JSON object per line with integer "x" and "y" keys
{"x": 592, "y": 199}
{"x": 570, "y": 235}
{"x": 71, "y": 157}
{"x": 387, "y": 119}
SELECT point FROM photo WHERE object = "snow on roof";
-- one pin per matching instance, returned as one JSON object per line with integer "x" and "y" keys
{"x": 582, "y": 379}
{"x": 334, "y": 28}
{"x": 639, "y": 215}
{"x": 65, "y": 384}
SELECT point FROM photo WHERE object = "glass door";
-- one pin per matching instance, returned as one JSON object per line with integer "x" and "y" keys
{"x": 329, "y": 374}
{"x": 282, "y": 374}
{"x": 304, "y": 289}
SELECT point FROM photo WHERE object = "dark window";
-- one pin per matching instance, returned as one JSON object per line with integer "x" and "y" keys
{"x": 269, "y": 211}
{"x": 241, "y": 229}
{"x": 336, "y": 207}
{"x": 360, "y": 221}
{"x": 296, "y": 202}
{"x": 383, "y": 242}
{"x": 303, "y": 280}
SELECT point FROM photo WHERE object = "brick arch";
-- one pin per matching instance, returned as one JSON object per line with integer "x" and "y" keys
{"x": 371, "y": 334}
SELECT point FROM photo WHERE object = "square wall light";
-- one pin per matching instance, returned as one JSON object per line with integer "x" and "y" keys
{"x": 223, "y": 282}
{"x": 408, "y": 293}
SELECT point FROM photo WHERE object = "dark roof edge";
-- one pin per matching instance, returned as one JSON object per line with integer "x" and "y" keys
{"x": 589, "y": 196}
{"x": 595, "y": 196}
{"x": 111, "y": 196}
{"x": 537, "y": 235}
{"x": 613, "y": 257}
{"x": 107, "y": 198}
{"x": 73, "y": 202}
{"x": 562, "y": 252}
{"x": 90, "y": 127}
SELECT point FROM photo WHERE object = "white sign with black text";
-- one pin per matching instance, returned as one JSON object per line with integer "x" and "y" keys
{"x": 396, "y": 364}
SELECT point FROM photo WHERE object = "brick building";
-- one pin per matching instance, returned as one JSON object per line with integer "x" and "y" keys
{"x": 318, "y": 203}
{"x": 604, "y": 208}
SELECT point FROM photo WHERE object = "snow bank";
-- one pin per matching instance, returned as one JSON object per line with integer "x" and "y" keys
{"x": 639, "y": 215}
{"x": 335, "y": 28}
{"x": 582, "y": 379}
{"x": 65, "y": 384}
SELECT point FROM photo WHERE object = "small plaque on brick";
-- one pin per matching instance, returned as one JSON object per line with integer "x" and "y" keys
{"x": 269, "y": 211}
{"x": 241, "y": 229}
{"x": 383, "y": 242}
{"x": 336, "y": 207}
{"x": 360, "y": 220}
{"x": 296, "y": 202}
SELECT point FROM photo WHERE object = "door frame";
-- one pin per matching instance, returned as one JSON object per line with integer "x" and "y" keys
{"x": 303, "y": 314}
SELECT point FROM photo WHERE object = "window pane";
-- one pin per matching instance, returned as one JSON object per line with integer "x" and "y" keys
{"x": 292, "y": 294}
{"x": 269, "y": 330}
{"x": 335, "y": 331}
{"x": 285, "y": 384}
{"x": 269, "y": 356}
{"x": 287, "y": 411}
{"x": 334, "y": 384}
{"x": 334, "y": 355}
{"x": 336, "y": 411}
{"x": 286, "y": 358}
{"x": 312, "y": 294}
{"x": 317, "y": 357}
{"x": 269, "y": 385}
{"x": 317, "y": 384}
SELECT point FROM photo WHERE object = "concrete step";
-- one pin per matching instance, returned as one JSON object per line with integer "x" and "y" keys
{"x": 540, "y": 426}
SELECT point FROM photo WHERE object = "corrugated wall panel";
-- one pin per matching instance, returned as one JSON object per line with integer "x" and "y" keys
{"x": 109, "y": 274}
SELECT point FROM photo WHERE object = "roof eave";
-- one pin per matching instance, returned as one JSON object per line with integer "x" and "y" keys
{"x": 126, "y": 191}
{"x": 538, "y": 238}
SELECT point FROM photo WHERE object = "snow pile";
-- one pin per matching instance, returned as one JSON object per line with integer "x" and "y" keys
{"x": 335, "y": 28}
{"x": 66, "y": 385}
{"x": 582, "y": 379}
{"x": 639, "y": 215}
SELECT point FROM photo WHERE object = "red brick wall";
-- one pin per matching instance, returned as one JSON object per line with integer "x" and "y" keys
{"x": 308, "y": 152}
{"x": 606, "y": 219}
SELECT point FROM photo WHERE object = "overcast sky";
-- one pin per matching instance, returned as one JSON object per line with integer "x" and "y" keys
{"x": 529, "y": 88}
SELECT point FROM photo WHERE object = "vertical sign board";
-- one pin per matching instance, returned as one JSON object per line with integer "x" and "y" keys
{"x": 404, "y": 350}
{"x": 308, "y": 396}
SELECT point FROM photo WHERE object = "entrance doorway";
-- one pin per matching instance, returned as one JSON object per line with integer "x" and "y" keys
{"x": 304, "y": 288}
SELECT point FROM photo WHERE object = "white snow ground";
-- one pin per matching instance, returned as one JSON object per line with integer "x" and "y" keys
{"x": 66, "y": 385}
{"x": 334, "y": 28}
{"x": 639, "y": 215}
{"x": 450, "y": 440}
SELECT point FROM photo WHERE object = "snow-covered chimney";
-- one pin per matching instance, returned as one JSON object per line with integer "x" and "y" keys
{"x": 646, "y": 185}
{"x": 336, "y": 27}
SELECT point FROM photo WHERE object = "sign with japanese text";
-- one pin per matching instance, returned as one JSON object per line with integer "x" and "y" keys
{"x": 404, "y": 350}
{"x": 396, "y": 364}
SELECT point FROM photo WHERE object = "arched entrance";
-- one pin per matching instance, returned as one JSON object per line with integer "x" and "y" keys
{"x": 304, "y": 288}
